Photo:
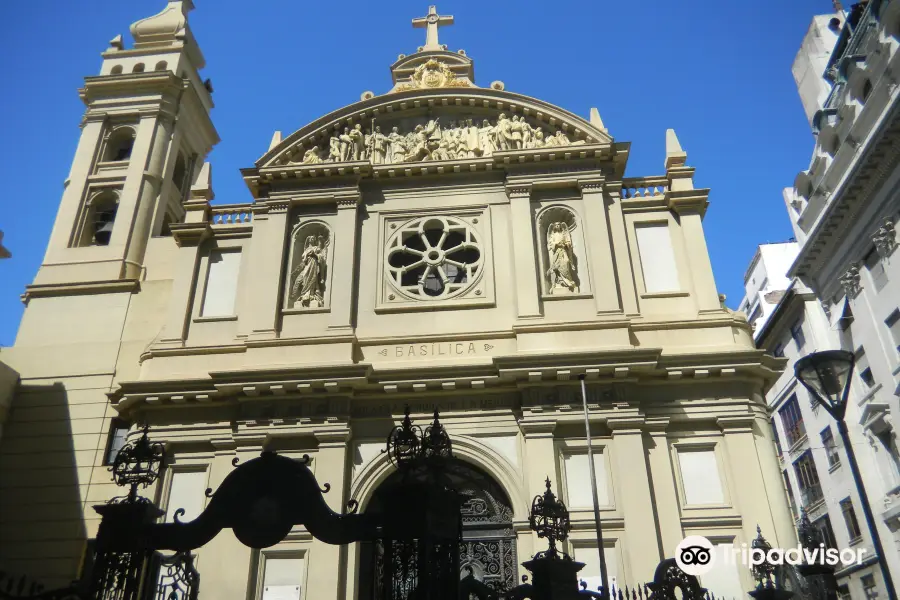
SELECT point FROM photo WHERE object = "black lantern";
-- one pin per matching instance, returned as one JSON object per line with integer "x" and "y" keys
{"x": 549, "y": 519}
{"x": 407, "y": 446}
{"x": 138, "y": 463}
{"x": 827, "y": 376}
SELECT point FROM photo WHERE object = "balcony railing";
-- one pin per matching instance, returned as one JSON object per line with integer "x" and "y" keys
{"x": 795, "y": 434}
{"x": 811, "y": 494}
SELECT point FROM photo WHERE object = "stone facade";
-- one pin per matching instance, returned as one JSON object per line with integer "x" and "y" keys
{"x": 304, "y": 321}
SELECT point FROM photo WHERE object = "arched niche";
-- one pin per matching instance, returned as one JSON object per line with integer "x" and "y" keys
{"x": 119, "y": 144}
{"x": 309, "y": 267}
{"x": 98, "y": 218}
{"x": 562, "y": 252}
{"x": 489, "y": 540}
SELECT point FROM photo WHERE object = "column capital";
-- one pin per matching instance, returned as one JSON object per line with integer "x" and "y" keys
{"x": 591, "y": 185}
{"x": 736, "y": 424}
{"x": 532, "y": 429}
{"x": 519, "y": 190}
{"x": 626, "y": 425}
{"x": 656, "y": 426}
{"x": 333, "y": 437}
{"x": 347, "y": 198}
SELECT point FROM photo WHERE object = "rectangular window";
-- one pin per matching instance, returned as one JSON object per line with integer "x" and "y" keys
{"x": 700, "y": 477}
{"x": 792, "y": 421}
{"x": 844, "y": 592}
{"x": 283, "y": 577}
{"x": 893, "y": 325}
{"x": 590, "y": 574}
{"x": 797, "y": 334}
{"x": 578, "y": 480}
{"x": 808, "y": 479}
{"x": 657, "y": 258}
{"x": 825, "y": 531}
{"x": 221, "y": 284}
{"x": 876, "y": 269}
{"x": 725, "y": 578}
{"x": 870, "y": 588}
{"x": 118, "y": 434}
{"x": 850, "y": 519}
{"x": 831, "y": 450}
{"x": 888, "y": 448}
{"x": 862, "y": 367}
{"x": 187, "y": 491}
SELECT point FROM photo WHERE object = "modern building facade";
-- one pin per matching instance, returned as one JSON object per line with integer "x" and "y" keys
{"x": 844, "y": 288}
{"x": 811, "y": 61}
{"x": 440, "y": 245}
{"x": 814, "y": 463}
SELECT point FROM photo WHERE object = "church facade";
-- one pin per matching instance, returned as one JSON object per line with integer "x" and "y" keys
{"x": 439, "y": 246}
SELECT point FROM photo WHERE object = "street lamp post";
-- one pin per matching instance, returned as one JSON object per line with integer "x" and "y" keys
{"x": 827, "y": 376}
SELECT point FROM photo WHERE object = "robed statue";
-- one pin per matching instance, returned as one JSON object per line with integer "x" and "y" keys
{"x": 308, "y": 289}
{"x": 563, "y": 270}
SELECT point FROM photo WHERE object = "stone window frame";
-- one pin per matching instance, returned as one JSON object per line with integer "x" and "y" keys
{"x": 599, "y": 445}
{"x": 220, "y": 245}
{"x": 83, "y": 234}
{"x": 700, "y": 445}
{"x": 579, "y": 242}
{"x": 112, "y": 133}
{"x": 185, "y": 463}
{"x": 389, "y": 300}
{"x": 679, "y": 250}
{"x": 295, "y": 545}
{"x": 302, "y": 223}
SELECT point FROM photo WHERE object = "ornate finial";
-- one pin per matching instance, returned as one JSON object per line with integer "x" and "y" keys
{"x": 431, "y": 22}
{"x": 763, "y": 572}
{"x": 549, "y": 519}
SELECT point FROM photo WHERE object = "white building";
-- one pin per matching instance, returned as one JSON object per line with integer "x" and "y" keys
{"x": 811, "y": 61}
{"x": 792, "y": 324}
{"x": 843, "y": 209}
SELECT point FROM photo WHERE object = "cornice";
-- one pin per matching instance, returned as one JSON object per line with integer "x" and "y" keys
{"x": 49, "y": 290}
{"x": 134, "y": 84}
{"x": 688, "y": 201}
{"x": 190, "y": 234}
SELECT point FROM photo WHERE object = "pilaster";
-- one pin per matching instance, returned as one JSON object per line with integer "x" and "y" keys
{"x": 267, "y": 256}
{"x": 540, "y": 459}
{"x": 690, "y": 206}
{"x": 619, "y": 240}
{"x": 664, "y": 491}
{"x": 328, "y": 562}
{"x": 748, "y": 490}
{"x": 642, "y": 543}
{"x": 343, "y": 276}
{"x": 188, "y": 236}
{"x": 523, "y": 251}
{"x": 600, "y": 250}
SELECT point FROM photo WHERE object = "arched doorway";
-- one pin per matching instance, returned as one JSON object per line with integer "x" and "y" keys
{"x": 489, "y": 542}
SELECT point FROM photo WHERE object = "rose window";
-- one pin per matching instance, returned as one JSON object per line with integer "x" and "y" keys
{"x": 434, "y": 257}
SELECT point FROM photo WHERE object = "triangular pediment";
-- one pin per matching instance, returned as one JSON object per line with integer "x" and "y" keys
{"x": 429, "y": 125}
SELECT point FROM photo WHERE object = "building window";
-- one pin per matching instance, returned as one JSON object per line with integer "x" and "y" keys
{"x": 870, "y": 589}
{"x": 778, "y": 351}
{"x": 118, "y": 433}
{"x": 808, "y": 478}
{"x": 825, "y": 531}
{"x": 843, "y": 592}
{"x": 578, "y": 480}
{"x": 891, "y": 465}
{"x": 186, "y": 491}
{"x": 893, "y": 325}
{"x": 700, "y": 477}
{"x": 792, "y": 421}
{"x": 221, "y": 284}
{"x": 831, "y": 450}
{"x": 657, "y": 258}
{"x": 876, "y": 269}
{"x": 853, "y": 529}
{"x": 282, "y": 577}
{"x": 862, "y": 367}
{"x": 120, "y": 144}
{"x": 99, "y": 218}
{"x": 797, "y": 334}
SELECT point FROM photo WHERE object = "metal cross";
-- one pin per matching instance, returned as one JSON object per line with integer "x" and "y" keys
{"x": 431, "y": 22}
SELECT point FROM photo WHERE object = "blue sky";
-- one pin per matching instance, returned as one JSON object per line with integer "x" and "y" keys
{"x": 717, "y": 72}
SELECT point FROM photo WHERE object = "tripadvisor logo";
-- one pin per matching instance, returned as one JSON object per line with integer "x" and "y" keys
{"x": 696, "y": 555}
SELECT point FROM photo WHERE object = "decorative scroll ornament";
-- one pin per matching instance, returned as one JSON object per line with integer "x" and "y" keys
{"x": 885, "y": 239}
{"x": 408, "y": 446}
{"x": 138, "y": 464}
{"x": 433, "y": 74}
{"x": 549, "y": 519}
{"x": 850, "y": 281}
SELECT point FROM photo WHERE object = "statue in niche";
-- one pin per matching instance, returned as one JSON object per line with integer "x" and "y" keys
{"x": 308, "y": 288}
{"x": 563, "y": 271}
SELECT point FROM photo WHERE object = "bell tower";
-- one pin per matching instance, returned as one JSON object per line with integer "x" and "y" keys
{"x": 144, "y": 135}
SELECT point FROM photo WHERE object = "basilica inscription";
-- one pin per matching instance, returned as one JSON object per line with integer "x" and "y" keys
{"x": 436, "y": 350}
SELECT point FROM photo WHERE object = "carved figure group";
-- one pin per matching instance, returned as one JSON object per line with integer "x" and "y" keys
{"x": 308, "y": 287}
{"x": 563, "y": 270}
{"x": 432, "y": 141}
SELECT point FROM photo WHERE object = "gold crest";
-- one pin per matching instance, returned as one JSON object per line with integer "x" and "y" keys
{"x": 433, "y": 74}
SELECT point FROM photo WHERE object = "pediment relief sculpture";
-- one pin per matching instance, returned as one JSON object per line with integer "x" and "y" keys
{"x": 433, "y": 74}
{"x": 433, "y": 139}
